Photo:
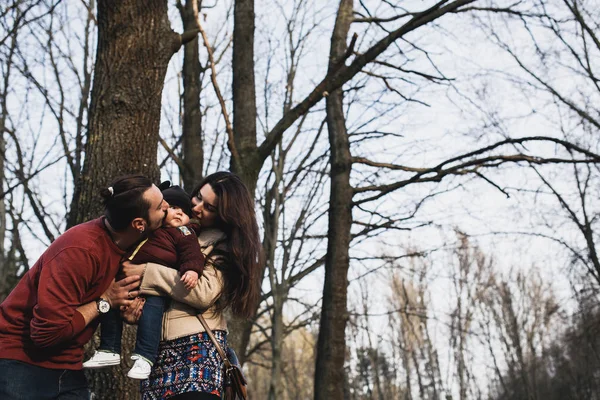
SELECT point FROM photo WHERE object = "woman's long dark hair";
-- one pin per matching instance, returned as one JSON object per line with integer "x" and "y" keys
{"x": 237, "y": 219}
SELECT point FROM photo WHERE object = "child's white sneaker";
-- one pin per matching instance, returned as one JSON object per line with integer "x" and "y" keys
{"x": 140, "y": 370}
{"x": 103, "y": 359}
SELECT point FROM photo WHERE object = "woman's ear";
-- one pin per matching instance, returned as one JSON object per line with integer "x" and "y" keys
{"x": 139, "y": 224}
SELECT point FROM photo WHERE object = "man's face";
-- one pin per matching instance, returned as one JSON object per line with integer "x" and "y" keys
{"x": 176, "y": 217}
{"x": 158, "y": 208}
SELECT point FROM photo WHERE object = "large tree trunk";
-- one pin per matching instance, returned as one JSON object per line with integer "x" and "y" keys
{"x": 331, "y": 345}
{"x": 193, "y": 154}
{"x": 248, "y": 164}
{"x": 135, "y": 44}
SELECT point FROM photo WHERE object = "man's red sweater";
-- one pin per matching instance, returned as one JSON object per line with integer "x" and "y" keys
{"x": 39, "y": 321}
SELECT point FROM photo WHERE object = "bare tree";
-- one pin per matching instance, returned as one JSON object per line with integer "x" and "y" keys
{"x": 125, "y": 108}
{"x": 329, "y": 371}
{"x": 135, "y": 44}
{"x": 21, "y": 161}
{"x": 330, "y": 353}
{"x": 524, "y": 312}
{"x": 471, "y": 278}
{"x": 557, "y": 38}
{"x": 191, "y": 134}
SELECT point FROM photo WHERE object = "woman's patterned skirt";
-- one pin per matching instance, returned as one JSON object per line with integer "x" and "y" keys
{"x": 187, "y": 364}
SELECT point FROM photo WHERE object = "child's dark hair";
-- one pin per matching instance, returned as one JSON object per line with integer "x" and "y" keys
{"x": 124, "y": 200}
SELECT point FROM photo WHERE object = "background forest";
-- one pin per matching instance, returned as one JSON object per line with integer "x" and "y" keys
{"x": 426, "y": 175}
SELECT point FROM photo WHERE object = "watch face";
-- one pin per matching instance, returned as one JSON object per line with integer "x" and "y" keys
{"x": 103, "y": 306}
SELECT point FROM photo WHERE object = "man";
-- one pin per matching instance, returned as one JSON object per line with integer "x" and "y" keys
{"x": 53, "y": 311}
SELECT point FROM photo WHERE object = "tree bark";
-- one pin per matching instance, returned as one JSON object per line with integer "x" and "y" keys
{"x": 193, "y": 153}
{"x": 3, "y": 114}
{"x": 331, "y": 345}
{"x": 5, "y": 268}
{"x": 2, "y": 204}
{"x": 244, "y": 95}
{"x": 248, "y": 164}
{"x": 271, "y": 216}
{"x": 135, "y": 44}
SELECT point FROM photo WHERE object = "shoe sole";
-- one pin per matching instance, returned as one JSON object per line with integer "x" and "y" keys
{"x": 102, "y": 364}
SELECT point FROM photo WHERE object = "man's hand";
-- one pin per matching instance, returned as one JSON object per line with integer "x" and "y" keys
{"x": 189, "y": 279}
{"x": 132, "y": 314}
{"x": 122, "y": 293}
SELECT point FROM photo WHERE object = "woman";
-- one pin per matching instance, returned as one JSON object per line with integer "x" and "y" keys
{"x": 188, "y": 365}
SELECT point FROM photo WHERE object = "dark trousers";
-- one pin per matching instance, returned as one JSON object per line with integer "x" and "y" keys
{"x": 148, "y": 331}
{"x": 22, "y": 381}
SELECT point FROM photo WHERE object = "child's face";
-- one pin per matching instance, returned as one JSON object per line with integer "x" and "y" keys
{"x": 176, "y": 217}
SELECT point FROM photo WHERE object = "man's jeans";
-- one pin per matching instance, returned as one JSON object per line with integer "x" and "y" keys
{"x": 148, "y": 332}
{"x": 22, "y": 381}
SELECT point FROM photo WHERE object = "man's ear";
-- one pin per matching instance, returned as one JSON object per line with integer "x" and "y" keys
{"x": 139, "y": 224}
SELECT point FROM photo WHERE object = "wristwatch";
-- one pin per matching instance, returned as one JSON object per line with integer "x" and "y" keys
{"x": 103, "y": 306}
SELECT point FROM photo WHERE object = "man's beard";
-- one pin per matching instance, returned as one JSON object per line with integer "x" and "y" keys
{"x": 162, "y": 221}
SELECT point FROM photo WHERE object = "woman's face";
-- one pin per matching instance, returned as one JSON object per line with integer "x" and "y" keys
{"x": 204, "y": 206}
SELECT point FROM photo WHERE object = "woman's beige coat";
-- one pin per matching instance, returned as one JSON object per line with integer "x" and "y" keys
{"x": 180, "y": 318}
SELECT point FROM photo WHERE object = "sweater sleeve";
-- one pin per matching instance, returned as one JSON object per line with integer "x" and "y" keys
{"x": 160, "y": 280}
{"x": 189, "y": 255}
{"x": 62, "y": 286}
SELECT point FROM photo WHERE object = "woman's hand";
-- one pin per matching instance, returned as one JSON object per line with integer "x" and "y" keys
{"x": 132, "y": 314}
{"x": 131, "y": 269}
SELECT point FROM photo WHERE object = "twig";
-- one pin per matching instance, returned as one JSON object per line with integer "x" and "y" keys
{"x": 213, "y": 77}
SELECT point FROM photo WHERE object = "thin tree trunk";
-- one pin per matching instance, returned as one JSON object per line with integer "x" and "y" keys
{"x": 8, "y": 259}
{"x": 2, "y": 204}
{"x": 135, "y": 44}
{"x": 514, "y": 330}
{"x": 4, "y": 267}
{"x": 275, "y": 386}
{"x": 193, "y": 153}
{"x": 244, "y": 94}
{"x": 433, "y": 366}
{"x": 12, "y": 261}
{"x": 85, "y": 92}
{"x": 248, "y": 164}
{"x": 271, "y": 218}
{"x": 331, "y": 345}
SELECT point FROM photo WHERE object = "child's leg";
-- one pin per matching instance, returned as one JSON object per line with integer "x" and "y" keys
{"x": 149, "y": 328}
{"x": 111, "y": 328}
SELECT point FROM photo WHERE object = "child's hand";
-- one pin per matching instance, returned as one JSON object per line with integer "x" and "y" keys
{"x": 189, "y": 279}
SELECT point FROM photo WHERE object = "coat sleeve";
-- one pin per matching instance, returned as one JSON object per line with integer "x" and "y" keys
{"x": 159, "y": 280}
{"x": 189, "y": 255}
{"x": 63, "y": 283}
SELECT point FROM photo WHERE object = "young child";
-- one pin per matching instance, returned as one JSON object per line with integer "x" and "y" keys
{"x": 175, "y": 244}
